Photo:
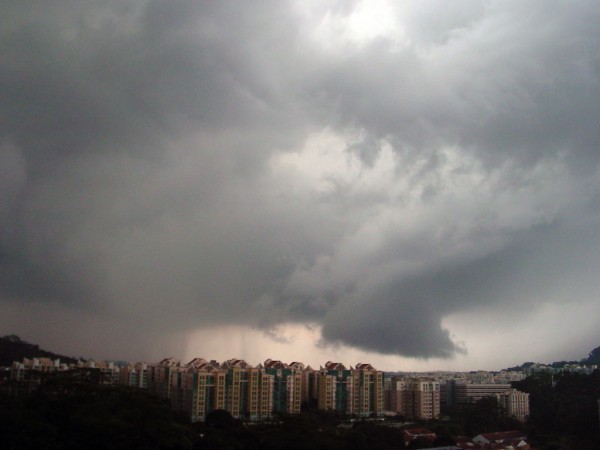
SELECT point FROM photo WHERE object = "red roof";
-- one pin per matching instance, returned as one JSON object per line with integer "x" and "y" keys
{"x": 275, "y": 364}
{"x": 501, "y": 436}
{"x": 334, "y": 366}
{"x": 364, "y": 366}
{"x": 418, "y": 432}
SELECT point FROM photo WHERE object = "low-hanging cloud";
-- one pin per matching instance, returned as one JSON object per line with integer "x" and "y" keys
{"x": 172, "y": 165}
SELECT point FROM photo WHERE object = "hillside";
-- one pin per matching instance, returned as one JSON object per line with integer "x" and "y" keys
{"x": 12, "y": 348}
{"x": 593, "y": 358}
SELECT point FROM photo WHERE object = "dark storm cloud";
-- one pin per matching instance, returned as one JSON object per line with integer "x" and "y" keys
{"x": 179, "y": 164}
{"x": 518, "y": 82}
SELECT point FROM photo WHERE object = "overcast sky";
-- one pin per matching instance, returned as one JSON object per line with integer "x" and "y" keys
{"x": 414, "y": 184}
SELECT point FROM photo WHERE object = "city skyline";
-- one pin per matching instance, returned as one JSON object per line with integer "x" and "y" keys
{"x": 308, "y": 357}
{"x": 409, "y": 184}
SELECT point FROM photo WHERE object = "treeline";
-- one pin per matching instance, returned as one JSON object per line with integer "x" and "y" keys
{"x": 563, "y": 410}
{"x": 471, "y": 419}
{"x": 69, "y": 414}
{"x": 594, "y": 356}
{"x": 63, "y": 414}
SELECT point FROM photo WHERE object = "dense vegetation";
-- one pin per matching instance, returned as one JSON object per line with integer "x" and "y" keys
{"x": 472, "y": 419}
{"x": 64, "y": 414}
{"x": 67, "y": 414}
{"x": 563, "y": 410}
{"x": 313, "y": 429}
{"x": 594, "y": 357}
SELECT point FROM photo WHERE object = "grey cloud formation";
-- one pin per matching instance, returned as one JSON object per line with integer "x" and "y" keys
{"x": 172, "y": 165}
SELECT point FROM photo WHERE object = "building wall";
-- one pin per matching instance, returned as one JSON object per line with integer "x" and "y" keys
{"x": 415, "y": 398}
{"x": 426, "y": 403}
{"x": 287, "y": 389}
{"x": 514, "y": 404}
{"x": 260, "y": 394}
{"x": 351, "y": 391}
{"x": 326, "y": 391}
{"x": 254, "y": 393}
{"x": 471, "y": 392}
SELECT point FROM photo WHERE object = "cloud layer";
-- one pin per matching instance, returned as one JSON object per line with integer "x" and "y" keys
{"x": 371, "y": 168}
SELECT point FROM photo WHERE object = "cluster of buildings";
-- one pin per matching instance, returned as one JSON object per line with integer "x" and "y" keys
{"x": 424, "y": 398}
{"x": 511, "y": 401}
{"x": 30, "y": 373}
{"x": 255, "y": 393}
{"x": 248, "y": 392}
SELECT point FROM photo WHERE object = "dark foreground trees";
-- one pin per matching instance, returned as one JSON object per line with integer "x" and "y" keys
{"x": 563, "y": 410}
{"x": 66, "y": 415}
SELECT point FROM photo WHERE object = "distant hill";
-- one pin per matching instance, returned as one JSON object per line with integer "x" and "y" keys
{"x": 593, "y": 358}
{"x": 12, "y": 348}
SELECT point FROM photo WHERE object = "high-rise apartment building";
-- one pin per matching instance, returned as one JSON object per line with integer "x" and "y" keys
{"x": 255, "y": 393}
{"x": 260, "y": 394}
{"x": 334, "y": 387}
{"x": 236, "y": 386}
{"x": 514, "y": 404}
{"x": 247, "y": 392}
{"x": 202, "y": 389}
{"x": 287, "y": 387}
{"x": 163, "y": 376}
{"x": 426, "y": 399}
{"x": 350, "y": 391}
{"x": 135, "y": 375}
{"x": 368, "y": 390}
{"x": 414, "y": 398}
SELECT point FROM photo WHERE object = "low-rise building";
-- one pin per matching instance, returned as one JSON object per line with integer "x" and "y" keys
{"x": 513, "y": 438}
{"x": 472, "y": 392}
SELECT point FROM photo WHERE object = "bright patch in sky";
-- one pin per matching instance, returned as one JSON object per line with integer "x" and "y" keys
{"x": 337, "y": 25}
